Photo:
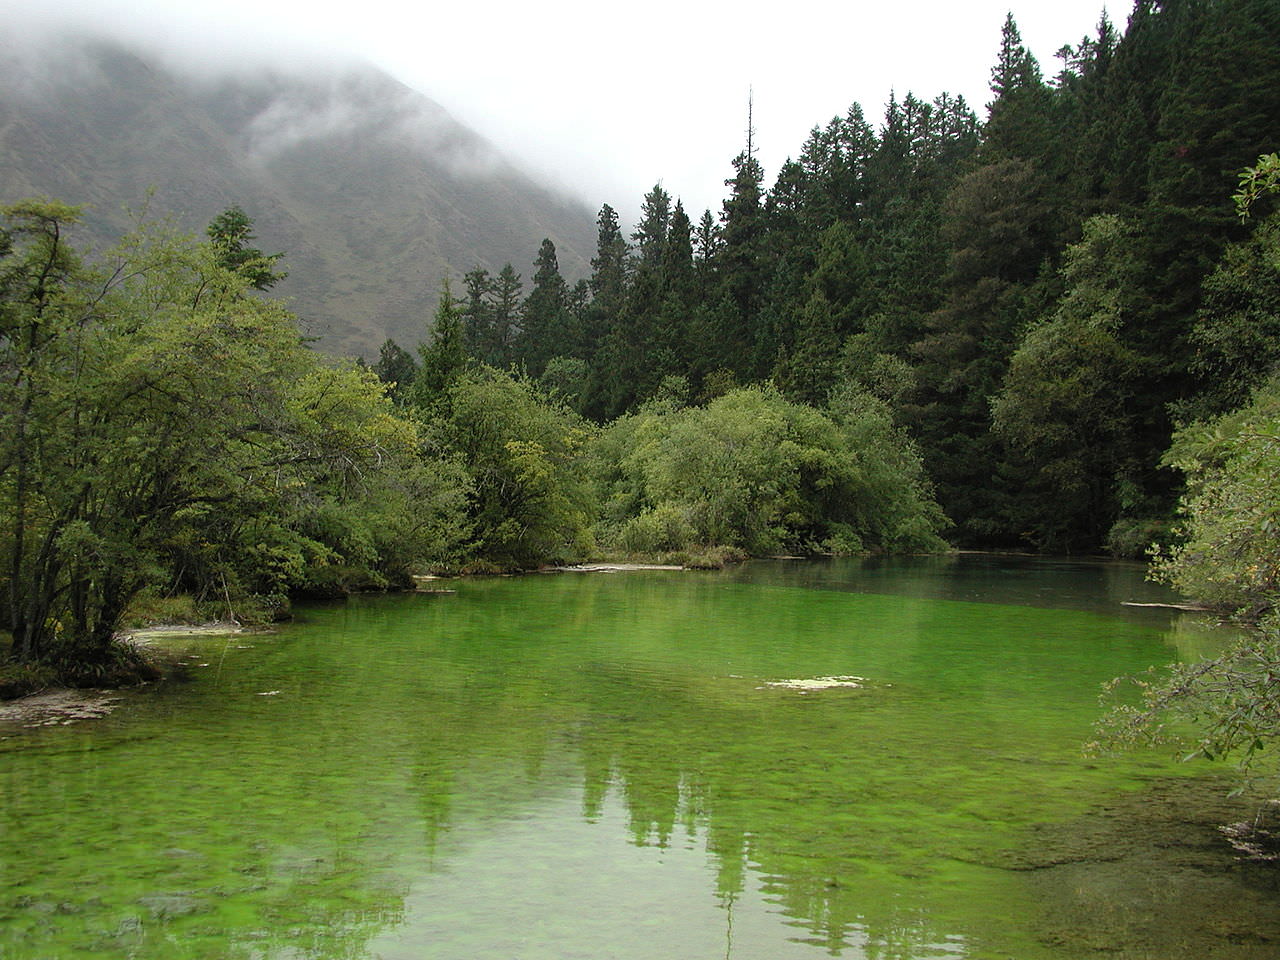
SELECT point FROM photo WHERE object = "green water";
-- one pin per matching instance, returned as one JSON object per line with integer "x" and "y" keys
{"x": 594, "y": 766}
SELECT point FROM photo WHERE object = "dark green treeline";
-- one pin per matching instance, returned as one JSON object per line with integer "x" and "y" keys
{"x": 1026, "y": 292}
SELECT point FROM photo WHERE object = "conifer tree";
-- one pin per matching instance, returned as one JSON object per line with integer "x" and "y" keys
{"x": 443, "y": 356}
{"x": 1018, "y": 116}
{"x": 230, "y": 233}
{"x": 477, "y": 314}
{"x": 396, "y": 368}
{"x": 545, "y": 331}
{"x": 506, "y": 315}
{"x": 608, "y": 266}
{"x": 706, "y": 243}
{"x": 740, "y": 264}
{"x": 677, "y": 294}
{"x": 650, "y": 233}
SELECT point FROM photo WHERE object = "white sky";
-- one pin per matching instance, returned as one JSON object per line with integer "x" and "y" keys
{"x": 607, "y": 99}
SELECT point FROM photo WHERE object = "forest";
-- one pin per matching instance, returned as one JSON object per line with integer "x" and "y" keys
{"x": 1049, "y": 328}
{"x": 1040, "y": 298}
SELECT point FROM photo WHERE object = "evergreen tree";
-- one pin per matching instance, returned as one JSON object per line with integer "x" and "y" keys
{"x": 396, "y": 368}
{"x": 230, "y": 233}
{"x": 608, "y": 266}
{"x": 506, "y": 316}
{"x": 677, "y": 297}
{"x": 1018, "y": 116}
{"x": 477, "y": 314}
{"x": 808, "y": 374}
{"x": 995, "y": 226}
{"x": 645, "y": 294}
{"x": 740, "y": 266}
{"x": 443, "y": 357}
{"x": 545, "y": 332}
{"x": 706, "y": 243}
{"x": 490, "y": 314}
{"x": 650, "y": 233}
{"x": 608, "y": 287}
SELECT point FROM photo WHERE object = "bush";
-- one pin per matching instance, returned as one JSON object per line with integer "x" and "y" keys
{"x": 1229, "y": 550}
{"x": 1232, "y": 701}
{"x": 1135, "y": 538}
{"x": 663, "y": 528}
{"x": 756, "y": 472}
{"x": 531, "y": 502}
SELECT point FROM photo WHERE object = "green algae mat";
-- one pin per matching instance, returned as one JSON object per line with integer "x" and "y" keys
{"x": 876, "y": 760}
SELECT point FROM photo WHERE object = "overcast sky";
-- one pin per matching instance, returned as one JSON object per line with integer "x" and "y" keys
{"x": 608, "y": 99}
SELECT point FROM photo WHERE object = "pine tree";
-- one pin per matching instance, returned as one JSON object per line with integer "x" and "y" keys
{"x": 809, "y": 373}
{"x": 608, "y": 266}
{"x": 546, "y": 329}
{"x": 396, "y": 368}
{"x": 230, "y": 232}
{"x": 506, "y": 315}
{"x": 995, "y": 226}
{"x": 740, "y": 265}
{"x": 1018, "y": 118}
{"x": 443, "y": 357}
{"x": 650, "y": 233}
{"x": 677, "y": 295}
{"x": 477, "y": 314}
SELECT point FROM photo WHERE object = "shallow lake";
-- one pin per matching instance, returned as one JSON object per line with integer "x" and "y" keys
{"x": 617, "y": 766}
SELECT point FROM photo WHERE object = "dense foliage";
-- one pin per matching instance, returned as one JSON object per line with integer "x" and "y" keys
{"x": 1227, "y": 554}
{"x": 1081, "y": 237}
{"x": 756, "y": 471}
{"x": 1017, "y": 315}
{"x": 532, "y": 503}
{"x": 161, "y": 426}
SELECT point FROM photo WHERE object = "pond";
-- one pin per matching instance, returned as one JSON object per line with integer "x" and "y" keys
{"x": 623, "y": 766}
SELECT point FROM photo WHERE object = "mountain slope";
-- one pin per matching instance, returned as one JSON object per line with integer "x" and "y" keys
{"x": 372, "y": 191}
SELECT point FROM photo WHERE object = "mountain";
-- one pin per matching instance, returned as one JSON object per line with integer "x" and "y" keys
{"x": 370, "y": 189}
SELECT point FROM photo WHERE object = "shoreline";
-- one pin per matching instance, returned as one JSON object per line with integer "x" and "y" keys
{"x": 61, "y": 704}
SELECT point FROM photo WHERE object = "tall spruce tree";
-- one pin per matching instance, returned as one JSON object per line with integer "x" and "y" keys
{"x": 443, "y": 356}
{"x": 740, "y": 266}
{"x": 546, "y": 330}
{"x": 477, "y": 314}
{"x": 1018, "y": 116}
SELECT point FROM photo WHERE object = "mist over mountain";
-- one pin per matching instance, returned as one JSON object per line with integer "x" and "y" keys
{"x": 372, "y": 191}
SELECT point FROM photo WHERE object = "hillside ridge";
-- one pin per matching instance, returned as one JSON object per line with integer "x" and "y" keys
{"x": 372, "y": 190}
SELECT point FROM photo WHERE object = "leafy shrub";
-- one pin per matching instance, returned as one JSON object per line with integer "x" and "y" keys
{"x": 755, "y": 472}
{"x": 530, "y": 501}
{"x": 663, "y": 528}
{"x": 1229, "y": 554}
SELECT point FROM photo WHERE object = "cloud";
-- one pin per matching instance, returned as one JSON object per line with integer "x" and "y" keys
{"x": 359, "y": 105}
{"x": 606, "y": 99}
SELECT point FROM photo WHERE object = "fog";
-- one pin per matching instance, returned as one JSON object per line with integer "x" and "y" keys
{"x": 602, "y": 100}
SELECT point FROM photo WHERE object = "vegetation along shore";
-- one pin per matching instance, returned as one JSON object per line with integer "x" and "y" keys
{"x": 1055, "y": 329}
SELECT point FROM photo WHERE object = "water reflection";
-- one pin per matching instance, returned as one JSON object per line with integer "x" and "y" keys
{"x": 590, "y": 766}
{"x": 1047, "y": 582}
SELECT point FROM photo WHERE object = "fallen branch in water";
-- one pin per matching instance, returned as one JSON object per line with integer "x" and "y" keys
{"x": 1190, "y": 607}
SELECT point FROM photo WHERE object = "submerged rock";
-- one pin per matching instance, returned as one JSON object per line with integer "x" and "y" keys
{"x": 816, "y": 683}
{"x": 166, "y": 905}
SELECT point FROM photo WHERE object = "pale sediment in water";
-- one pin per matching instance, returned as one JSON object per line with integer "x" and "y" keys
{"x": 57, "y": 707}
{"x": 616, "y": 567}
{"x": 143, "y": 636}
{"x": 816, "y": 683}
